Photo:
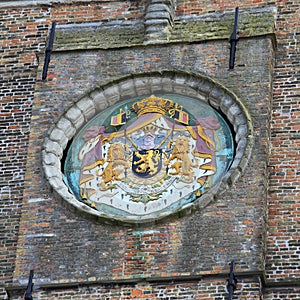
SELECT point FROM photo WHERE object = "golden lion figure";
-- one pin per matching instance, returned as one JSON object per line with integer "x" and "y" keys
{"x": 147, "y": 162}
{"x": 183, "y": 164}
{"x": 116, "y": 167}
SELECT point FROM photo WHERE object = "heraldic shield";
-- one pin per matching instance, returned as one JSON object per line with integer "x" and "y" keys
{"x": 147, "y": 157}
{"x": 147, "y": 163}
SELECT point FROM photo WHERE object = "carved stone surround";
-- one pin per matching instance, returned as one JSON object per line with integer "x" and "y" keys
{"x": 191, "y": 85}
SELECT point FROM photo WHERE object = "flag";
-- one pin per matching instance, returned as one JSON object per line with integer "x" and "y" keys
{"x": 119, "y": 119}
{"x": 181, "y": 116}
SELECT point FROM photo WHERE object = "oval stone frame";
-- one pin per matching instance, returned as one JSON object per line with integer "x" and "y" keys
{"x": 192, "y": 85}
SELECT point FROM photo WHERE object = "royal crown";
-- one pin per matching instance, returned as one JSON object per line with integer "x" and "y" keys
{"x": 152, "y": 104}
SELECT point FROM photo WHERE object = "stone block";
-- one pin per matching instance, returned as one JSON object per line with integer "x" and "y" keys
{"x": 112, "y": 94}
{"x": 100, "y": 100}
{"x": 225, "y": 103}
{"x": 67, "y": 126}
{"x": 155, "y": 84}
{"x": 74, "y": 114}
{"x": 54, "y": 176}
{"x": 167, "y": 85}
{"x": 58, "y": 135}
{"x": 53, "y": 147}
{"x": 51, "y": 159}
{"x": 127, "y": 89}
{"x": 142, "y": 86}
{"x": 87, "y": 107}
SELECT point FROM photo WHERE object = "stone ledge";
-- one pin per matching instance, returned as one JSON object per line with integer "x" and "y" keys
{"x": 18, "y": 289}
{"x": 18, "y": 3}
{"x": 118, "y": 34}
{"x": 98, "y": 35}
{"x": 252, "y": 23}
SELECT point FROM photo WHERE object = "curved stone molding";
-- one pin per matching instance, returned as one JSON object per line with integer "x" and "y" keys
{"x": 187, "y": 84}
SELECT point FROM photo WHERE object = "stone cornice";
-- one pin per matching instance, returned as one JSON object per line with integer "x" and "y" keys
{"x": 26, "y": 3}
{"x": 259, "y": 275}
{"x": 117, "y": 34}
{"x": 18, "y": 289}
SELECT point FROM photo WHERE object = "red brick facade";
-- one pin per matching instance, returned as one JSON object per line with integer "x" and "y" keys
{"x": 104, "y": 46}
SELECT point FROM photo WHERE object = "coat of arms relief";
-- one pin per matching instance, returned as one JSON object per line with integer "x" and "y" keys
{"x": 149, "y": 157}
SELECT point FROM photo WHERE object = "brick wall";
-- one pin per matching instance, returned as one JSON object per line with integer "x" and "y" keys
{"x": 24, "y": 35}
{"x": 151, "y": 250}
{"x": 283, "y": 239}
{"x": 40, "y": 232}
{"x": 104, "y": 11}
